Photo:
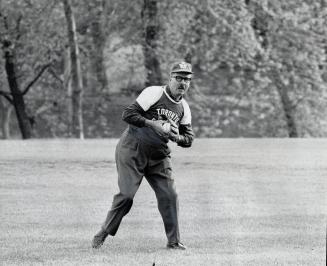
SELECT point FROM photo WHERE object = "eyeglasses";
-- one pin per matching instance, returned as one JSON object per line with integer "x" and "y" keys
{"x": 180, "y": 79}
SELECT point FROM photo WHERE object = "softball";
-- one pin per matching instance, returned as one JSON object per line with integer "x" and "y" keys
{"x": 166, "y": 127}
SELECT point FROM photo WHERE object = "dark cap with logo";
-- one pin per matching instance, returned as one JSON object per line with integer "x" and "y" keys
{"x": 181, "y": 67}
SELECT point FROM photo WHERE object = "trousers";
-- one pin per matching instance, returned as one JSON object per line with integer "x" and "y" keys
{"x": 135, "y": 160}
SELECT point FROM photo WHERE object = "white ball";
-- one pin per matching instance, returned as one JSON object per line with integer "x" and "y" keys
{"x": 166, "y": 127}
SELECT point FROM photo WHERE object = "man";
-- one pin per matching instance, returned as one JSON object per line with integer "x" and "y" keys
{"x": 143, "y": 151}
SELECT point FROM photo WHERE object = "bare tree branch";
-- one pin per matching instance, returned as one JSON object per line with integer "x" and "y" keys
{"x": 294, "y": 105}
{"x": 55, "y": 75}
{"x": 35, "y": 79}
{"x": 7, "y": 95}
{"x": 41, "y": 109}
{"x": 18, "y": 23}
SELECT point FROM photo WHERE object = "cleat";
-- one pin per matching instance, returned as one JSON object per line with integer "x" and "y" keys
{"x": 98, "y": 240}
{"x": 178, "y": 245}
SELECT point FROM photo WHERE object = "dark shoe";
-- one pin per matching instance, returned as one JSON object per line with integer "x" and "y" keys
{"x": 98, "y": 240}
{"x": 176, "y": 246}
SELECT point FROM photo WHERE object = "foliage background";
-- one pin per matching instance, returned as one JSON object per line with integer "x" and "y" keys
{"x": 248, "y": 55}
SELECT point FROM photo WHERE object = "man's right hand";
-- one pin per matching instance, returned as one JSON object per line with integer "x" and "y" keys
{"x": 156, "y": 125}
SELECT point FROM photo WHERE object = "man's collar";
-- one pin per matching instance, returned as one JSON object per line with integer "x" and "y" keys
{"x": 171, "y": 96}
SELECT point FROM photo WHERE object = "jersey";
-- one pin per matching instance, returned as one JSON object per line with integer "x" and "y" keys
{"x": 157, "y": 104}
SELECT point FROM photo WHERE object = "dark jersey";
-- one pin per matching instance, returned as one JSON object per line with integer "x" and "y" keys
{"x": 156, "y": 104}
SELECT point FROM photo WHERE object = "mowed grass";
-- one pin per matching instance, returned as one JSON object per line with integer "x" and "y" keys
{"x": 242, "y": 202}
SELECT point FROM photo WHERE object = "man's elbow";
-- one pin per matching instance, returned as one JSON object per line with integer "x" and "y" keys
{"x": 124, "y": 116}
{"x": 186, "y": 144}
{"x": 127, "y": 115}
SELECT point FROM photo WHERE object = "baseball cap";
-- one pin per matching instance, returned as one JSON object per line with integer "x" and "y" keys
{"x": 181, "y": 67}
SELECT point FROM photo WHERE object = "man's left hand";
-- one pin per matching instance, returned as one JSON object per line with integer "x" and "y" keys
{"x": 174, "y": 132}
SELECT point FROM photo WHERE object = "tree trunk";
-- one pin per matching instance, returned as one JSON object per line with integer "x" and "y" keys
{"x": 6, "y": 122}
{"x": 197, "y": 30}
{"x": 68, "y": 87}
{"x": 289, "y": 112}
{"x": 5, "y": 115}
{"x": 260, "y": 27}
{"x": 259, "y": 23}
{"x": 18, "y": 98}
{"x": 287, "y": 105}
{"x": 99, "y": 42}
{"x": 150, "y": 33}
{"x": 76, "y": 76}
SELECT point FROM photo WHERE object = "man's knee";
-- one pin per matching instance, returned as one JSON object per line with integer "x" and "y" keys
{"x": 128, "y": 198}
{"x": 174, "y": 196}
{"x": 169, "y": 197}
{"x": 125, "y": 198}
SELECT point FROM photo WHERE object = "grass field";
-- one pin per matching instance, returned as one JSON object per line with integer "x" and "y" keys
{"x": 242, "y": 202}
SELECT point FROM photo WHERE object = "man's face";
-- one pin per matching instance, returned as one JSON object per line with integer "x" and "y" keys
{"x": 179, "y": 84}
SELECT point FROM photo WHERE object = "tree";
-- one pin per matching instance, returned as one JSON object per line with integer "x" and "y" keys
{"x": 92, "y": 23}
{"x": 30, "y": 30}
{"x": 10, "y": 37}
{"x": 260, "y": 24}
{"x": 260, "y": 66}
{"x": 151, "y": 33}
{"x": 291, "y": 35}
{"x": 76, "y": 75}
{"x": 219, "y": 41}
{"x": 5, "y": 115}
{"x": 256, "y": 65}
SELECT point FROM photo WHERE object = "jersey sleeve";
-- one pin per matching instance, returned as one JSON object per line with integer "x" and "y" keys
{"x": 187, "y": 117}
{"x": 133, "y": 114}
{"x": 149, "y": 96}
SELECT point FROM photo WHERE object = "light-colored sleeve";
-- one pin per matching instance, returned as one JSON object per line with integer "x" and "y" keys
{"x": 149, "y": 96}
{"x": 187, "y": 117}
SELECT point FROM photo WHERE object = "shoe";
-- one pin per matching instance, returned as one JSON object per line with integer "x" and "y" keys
{"x": 178, "y": 245}
{"x": 98, "y": 240}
